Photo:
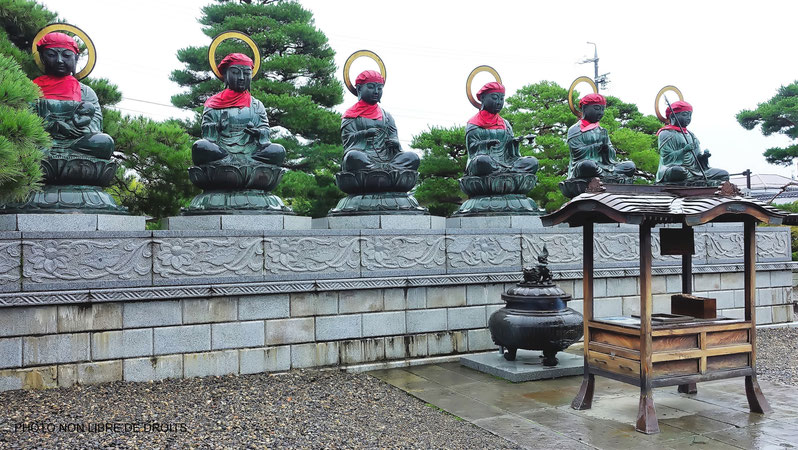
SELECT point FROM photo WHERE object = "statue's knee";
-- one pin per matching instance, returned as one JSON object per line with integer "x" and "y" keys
{"x": 271, "y": 154}
{"x": 98, "y": 145}
{"x": 407, "y": 160}
{"x": 718, "y": 174}
{"x": 355, "y": 160}
{"x": 527, "y": 164}
{"x": 204, "y": 151}
{"x": 675, "y": 173}
{"x": 482, "y": 165}
{"x": 586, "y": 169}
{"x": 627, "y": 168}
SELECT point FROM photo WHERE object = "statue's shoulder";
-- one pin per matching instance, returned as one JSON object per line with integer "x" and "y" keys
{"x": 87, "y": 94}
{"x": 574, "y": 131}
{"x": 256, "y": 104}
{"x": 470, "y": 128}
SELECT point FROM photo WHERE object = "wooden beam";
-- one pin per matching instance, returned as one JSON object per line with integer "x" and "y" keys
{"x": 646, "y": 414}
{"x": 584, "y": 398}
{"x": 687, "y": 271}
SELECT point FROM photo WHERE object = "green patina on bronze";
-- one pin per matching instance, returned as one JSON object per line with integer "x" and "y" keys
{"x": 376, "y": 174}
{"x": 592, "y": 155}
{"x": 681, "y": 160}
{"x": 497, "y": 177}
{"x": 78, "y": 165}
{"x": 236, "y": 164}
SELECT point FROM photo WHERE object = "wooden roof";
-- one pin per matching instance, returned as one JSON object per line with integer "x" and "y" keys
{"x": 686, "y": 206}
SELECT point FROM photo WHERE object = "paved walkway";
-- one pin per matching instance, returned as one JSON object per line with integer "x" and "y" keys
{"x": 538, "y": 414}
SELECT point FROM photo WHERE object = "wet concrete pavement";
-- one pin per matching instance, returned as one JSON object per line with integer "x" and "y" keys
{"x": 537, "y": 414}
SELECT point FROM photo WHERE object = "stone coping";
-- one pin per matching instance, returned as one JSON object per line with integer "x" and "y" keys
{"x": 259, "y": 288}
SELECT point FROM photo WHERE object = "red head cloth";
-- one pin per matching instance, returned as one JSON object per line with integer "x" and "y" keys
{"x": 235, "y": 59}
{"x": 677, "y": 107}
{"x": 369, "y": 76}
{"x": 57, "y": 40}
{"x": 593, "y": 99}
{"x": 493, "y": 86}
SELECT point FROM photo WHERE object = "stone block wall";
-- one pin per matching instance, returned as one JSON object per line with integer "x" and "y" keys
{"x": 63, "y": 345}
{"x": 88, "y": 307}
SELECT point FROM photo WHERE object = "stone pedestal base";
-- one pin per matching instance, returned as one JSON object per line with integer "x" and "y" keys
{"x": 71, "y": 222}
{"x": 238, "y": 222}
{"x": 505, "y": 221}
{"x": 384, "y": 222}
{"x": 528, "y": 365}
{"x": 66, "y": 199}
{"x": 226, "y": 202}
{"x": 516, "y": 204}
{"x": 385, "y": 202}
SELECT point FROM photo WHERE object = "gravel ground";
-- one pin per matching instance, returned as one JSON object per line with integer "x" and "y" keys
{"x": 301, "y": 409}
{"x": 777, "y": 354}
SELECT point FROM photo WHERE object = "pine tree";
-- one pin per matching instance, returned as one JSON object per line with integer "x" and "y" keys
{"x": 442, "y": 164}
{"x": 296, "y": 83}
{"x": 777, "y": 115}
{"x": 22, "y": 134}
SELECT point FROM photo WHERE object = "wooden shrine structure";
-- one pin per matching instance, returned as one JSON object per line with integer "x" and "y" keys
{"x": 662, "y": 349}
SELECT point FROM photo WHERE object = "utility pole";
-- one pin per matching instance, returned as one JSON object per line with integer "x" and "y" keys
{"x": 600, "y": 80}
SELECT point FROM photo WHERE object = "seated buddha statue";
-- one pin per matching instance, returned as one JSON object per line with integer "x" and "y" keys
{"x": 375, "y": 172}
{"x": 70, "y": 109}
{"x": 492, "y": 148}
{"x": 592, "y": 153}
{"x": 681, "y": 160}
{"x": 236, "y": 164}
{"x": 497, "y": 178}
{"x": 369, "y": 132}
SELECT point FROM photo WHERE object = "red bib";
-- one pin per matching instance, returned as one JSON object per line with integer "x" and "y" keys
{"x": 584, "y": 125}
{"x": 59, "y": 88}
{"x": 363, "y": 109}
{"x": 672, "y": 127}
{"x": 229, "y": 98}
{"x": 484, "y": 119}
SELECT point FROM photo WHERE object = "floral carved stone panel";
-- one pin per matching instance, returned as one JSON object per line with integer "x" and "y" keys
{"x": 334, "y": 255}
{"x": 563, "y": 248}
{"x": 423, "y": 253}
{"x": 201, "y": 259}
{"x": 472, "y": 253}
{"x": 86, "y": 262}
{"x": 10, "y": 252}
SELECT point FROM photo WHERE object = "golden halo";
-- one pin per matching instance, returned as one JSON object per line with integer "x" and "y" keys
{"x": 470, "y": 80}
{"x": 74, "y": 30}
{"x": 232, "y": 35}
{"x": 352, "y": 58}
{"x": 659, "y": 96}
{"x": 587, "y": 80}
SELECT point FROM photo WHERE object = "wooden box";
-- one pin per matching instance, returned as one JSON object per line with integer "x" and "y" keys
{"x": 690, "y": 305}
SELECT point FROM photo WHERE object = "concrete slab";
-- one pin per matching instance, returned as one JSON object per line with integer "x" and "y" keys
{"x": 71, "y": 222}
{"x": 381, "y": 222}
{"x": 238, "y": 222}
{"x": 528, "y": 365}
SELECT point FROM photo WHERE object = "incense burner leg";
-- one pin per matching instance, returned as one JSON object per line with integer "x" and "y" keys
{"x": 584, "y": 399}
{"x": 756, "y": 399}
{"x": 646, "y": 414}
{"x": 689, "y": 388}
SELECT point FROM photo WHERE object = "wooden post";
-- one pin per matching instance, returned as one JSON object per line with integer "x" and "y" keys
{"x": 687, "y": 288}
{"x": 646, "y": 414}
{"x": 756, "y": 399}
{"x": 584, "y": 398}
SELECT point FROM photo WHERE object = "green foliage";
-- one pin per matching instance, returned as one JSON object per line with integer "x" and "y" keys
{"x": 542, "y": 109}
{"x": 20, "y": 20}
{"x": 296, "y": 83}
{"x": 442, "y": 163}
{"x": 155, "y": 157}
{"x": 108, "y": 93}
{"x": 22, "y": 133}
{"x": 777, "y": 115}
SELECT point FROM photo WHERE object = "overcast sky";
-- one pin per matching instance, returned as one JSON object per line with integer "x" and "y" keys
{"x": 724, "y": 55}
